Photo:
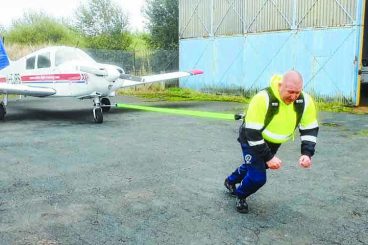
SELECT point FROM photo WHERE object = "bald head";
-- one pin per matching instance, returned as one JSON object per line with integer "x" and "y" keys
{"x": 290, "y": 86}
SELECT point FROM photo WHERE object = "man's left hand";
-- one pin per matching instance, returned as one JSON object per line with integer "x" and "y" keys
{"x": 305, "y": 161}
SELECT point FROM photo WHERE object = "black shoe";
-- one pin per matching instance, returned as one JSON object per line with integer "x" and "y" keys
{"x": 230, "y": 187}
{"x": 242, "y": 206}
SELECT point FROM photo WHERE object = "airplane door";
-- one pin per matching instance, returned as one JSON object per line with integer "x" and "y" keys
{"x": 63, "y": 80}
{"x": 62, "y": 87}
{"x": 37, "y": 70}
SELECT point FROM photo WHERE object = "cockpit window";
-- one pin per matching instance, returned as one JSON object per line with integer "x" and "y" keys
{"x": 30, "y": 63}
{"x": 43, "y": 60}
{"x": 70, "y": 54}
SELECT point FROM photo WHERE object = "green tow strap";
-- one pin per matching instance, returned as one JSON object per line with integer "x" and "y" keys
{"x": 215, "y": 115}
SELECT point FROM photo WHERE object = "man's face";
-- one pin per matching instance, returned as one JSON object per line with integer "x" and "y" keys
{"x": 290, "y": 89}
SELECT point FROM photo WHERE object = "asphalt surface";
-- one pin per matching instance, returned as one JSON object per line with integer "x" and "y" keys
{"x": 152, "y": 178}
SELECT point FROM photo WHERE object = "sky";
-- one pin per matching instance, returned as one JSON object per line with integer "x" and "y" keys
{"x": 14, "y": 9}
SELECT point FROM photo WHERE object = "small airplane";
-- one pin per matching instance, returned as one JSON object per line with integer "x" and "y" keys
{"x": 61, "y": 71}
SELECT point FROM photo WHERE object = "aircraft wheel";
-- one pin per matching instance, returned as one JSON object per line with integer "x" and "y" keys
{"x": 105, "y": 101}
{"x": 97, "y": 115}
{"x": 2, "y": 111}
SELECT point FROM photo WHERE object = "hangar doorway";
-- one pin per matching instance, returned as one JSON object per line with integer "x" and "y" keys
{"x": 364, "y": 78}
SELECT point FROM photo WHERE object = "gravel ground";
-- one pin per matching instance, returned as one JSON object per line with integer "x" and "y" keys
{"x": 153, "y": 178}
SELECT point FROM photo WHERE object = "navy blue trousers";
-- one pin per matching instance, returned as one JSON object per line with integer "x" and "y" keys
{"x": 251, "y": 174}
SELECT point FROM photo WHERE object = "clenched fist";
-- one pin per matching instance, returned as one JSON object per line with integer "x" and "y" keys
{"x": 305, "y": 161}
{"x": 274, "y": 163}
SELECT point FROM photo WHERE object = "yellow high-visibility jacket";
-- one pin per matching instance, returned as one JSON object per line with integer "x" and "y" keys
{"x": 282, "y": 126}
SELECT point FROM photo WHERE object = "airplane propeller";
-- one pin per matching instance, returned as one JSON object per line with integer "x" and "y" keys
{"x": 109, "y": 73}
{"x": 112, "y": 74}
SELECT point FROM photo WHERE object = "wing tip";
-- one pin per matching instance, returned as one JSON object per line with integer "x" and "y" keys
{"x": 196, "y": 72}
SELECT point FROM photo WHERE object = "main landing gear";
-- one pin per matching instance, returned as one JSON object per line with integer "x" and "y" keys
{"x": 100, "y": 105}
{"x": 2, "y": 111}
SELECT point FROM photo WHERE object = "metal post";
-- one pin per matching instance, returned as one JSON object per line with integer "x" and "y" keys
{"x": 295, "y": 12}
{"x": 359, "y": 22}
{"x": 211, "y": 32}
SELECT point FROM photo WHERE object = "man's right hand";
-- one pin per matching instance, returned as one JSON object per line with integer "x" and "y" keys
{"x": 274, "y": 163}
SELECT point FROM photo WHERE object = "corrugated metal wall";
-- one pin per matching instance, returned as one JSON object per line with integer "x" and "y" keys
{"x": 241, "y": 43}
{"x": 203, "y": 18}
{"x": 325, "y": 13}
{"x": 195, "y": 18}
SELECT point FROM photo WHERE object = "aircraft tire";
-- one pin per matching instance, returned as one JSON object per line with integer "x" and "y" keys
{"x": 105, "y": 101}
{"x": 2, "y": 111}
{"x": 97, "y": 115}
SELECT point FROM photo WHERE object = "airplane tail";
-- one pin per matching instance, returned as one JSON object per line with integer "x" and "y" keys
{"x": 4, "y": 59}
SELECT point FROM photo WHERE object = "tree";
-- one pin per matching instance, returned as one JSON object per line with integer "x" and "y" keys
{"x": 163, "y": 17}
{"x": 104, "y": 25}
{"x": 38, "y": 28}
{"x": 2, "y": 31}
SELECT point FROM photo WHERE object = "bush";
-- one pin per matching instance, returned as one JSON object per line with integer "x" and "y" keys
{"x": 38, "y": 28}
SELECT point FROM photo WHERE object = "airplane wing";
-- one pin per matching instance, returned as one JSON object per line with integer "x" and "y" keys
{"x": 130, "y": 80}
{"x": 6, "y": 88}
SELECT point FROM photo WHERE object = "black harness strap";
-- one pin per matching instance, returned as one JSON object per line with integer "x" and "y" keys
{"x": 299, "y": 105}
{"x": 274, "y": 105}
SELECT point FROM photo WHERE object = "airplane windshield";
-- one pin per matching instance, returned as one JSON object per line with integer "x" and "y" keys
{"x": 64, "y": 55}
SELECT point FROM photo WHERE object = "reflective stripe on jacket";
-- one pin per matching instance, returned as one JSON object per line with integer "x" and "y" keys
{"x": 282, "y": 126}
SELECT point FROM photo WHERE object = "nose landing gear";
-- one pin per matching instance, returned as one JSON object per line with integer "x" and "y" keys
{"x": 97, "y": 110}
{"x": 100, "y": 105}
{"x": 97, "y": 115}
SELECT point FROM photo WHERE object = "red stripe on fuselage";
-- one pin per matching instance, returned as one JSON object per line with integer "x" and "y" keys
{"x": 2, "y": 80}
{"x": 54, "y": 77}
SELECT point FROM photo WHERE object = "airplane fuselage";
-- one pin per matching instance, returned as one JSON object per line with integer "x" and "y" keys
{"x": 61, "y": 71}
{"x": 67, "y": 79}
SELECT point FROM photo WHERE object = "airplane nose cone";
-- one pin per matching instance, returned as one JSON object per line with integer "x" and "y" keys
{"x": 112, "y": 74}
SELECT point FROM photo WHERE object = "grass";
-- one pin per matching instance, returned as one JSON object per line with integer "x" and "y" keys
{"x": 330, "y": 124}
{"x": 184, "y": 94}
{"x": 363, "y": 133}
{"x": 334, "y": 107}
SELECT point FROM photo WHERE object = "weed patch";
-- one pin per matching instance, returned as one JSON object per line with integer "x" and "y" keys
{"x": 184, "y": 94}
